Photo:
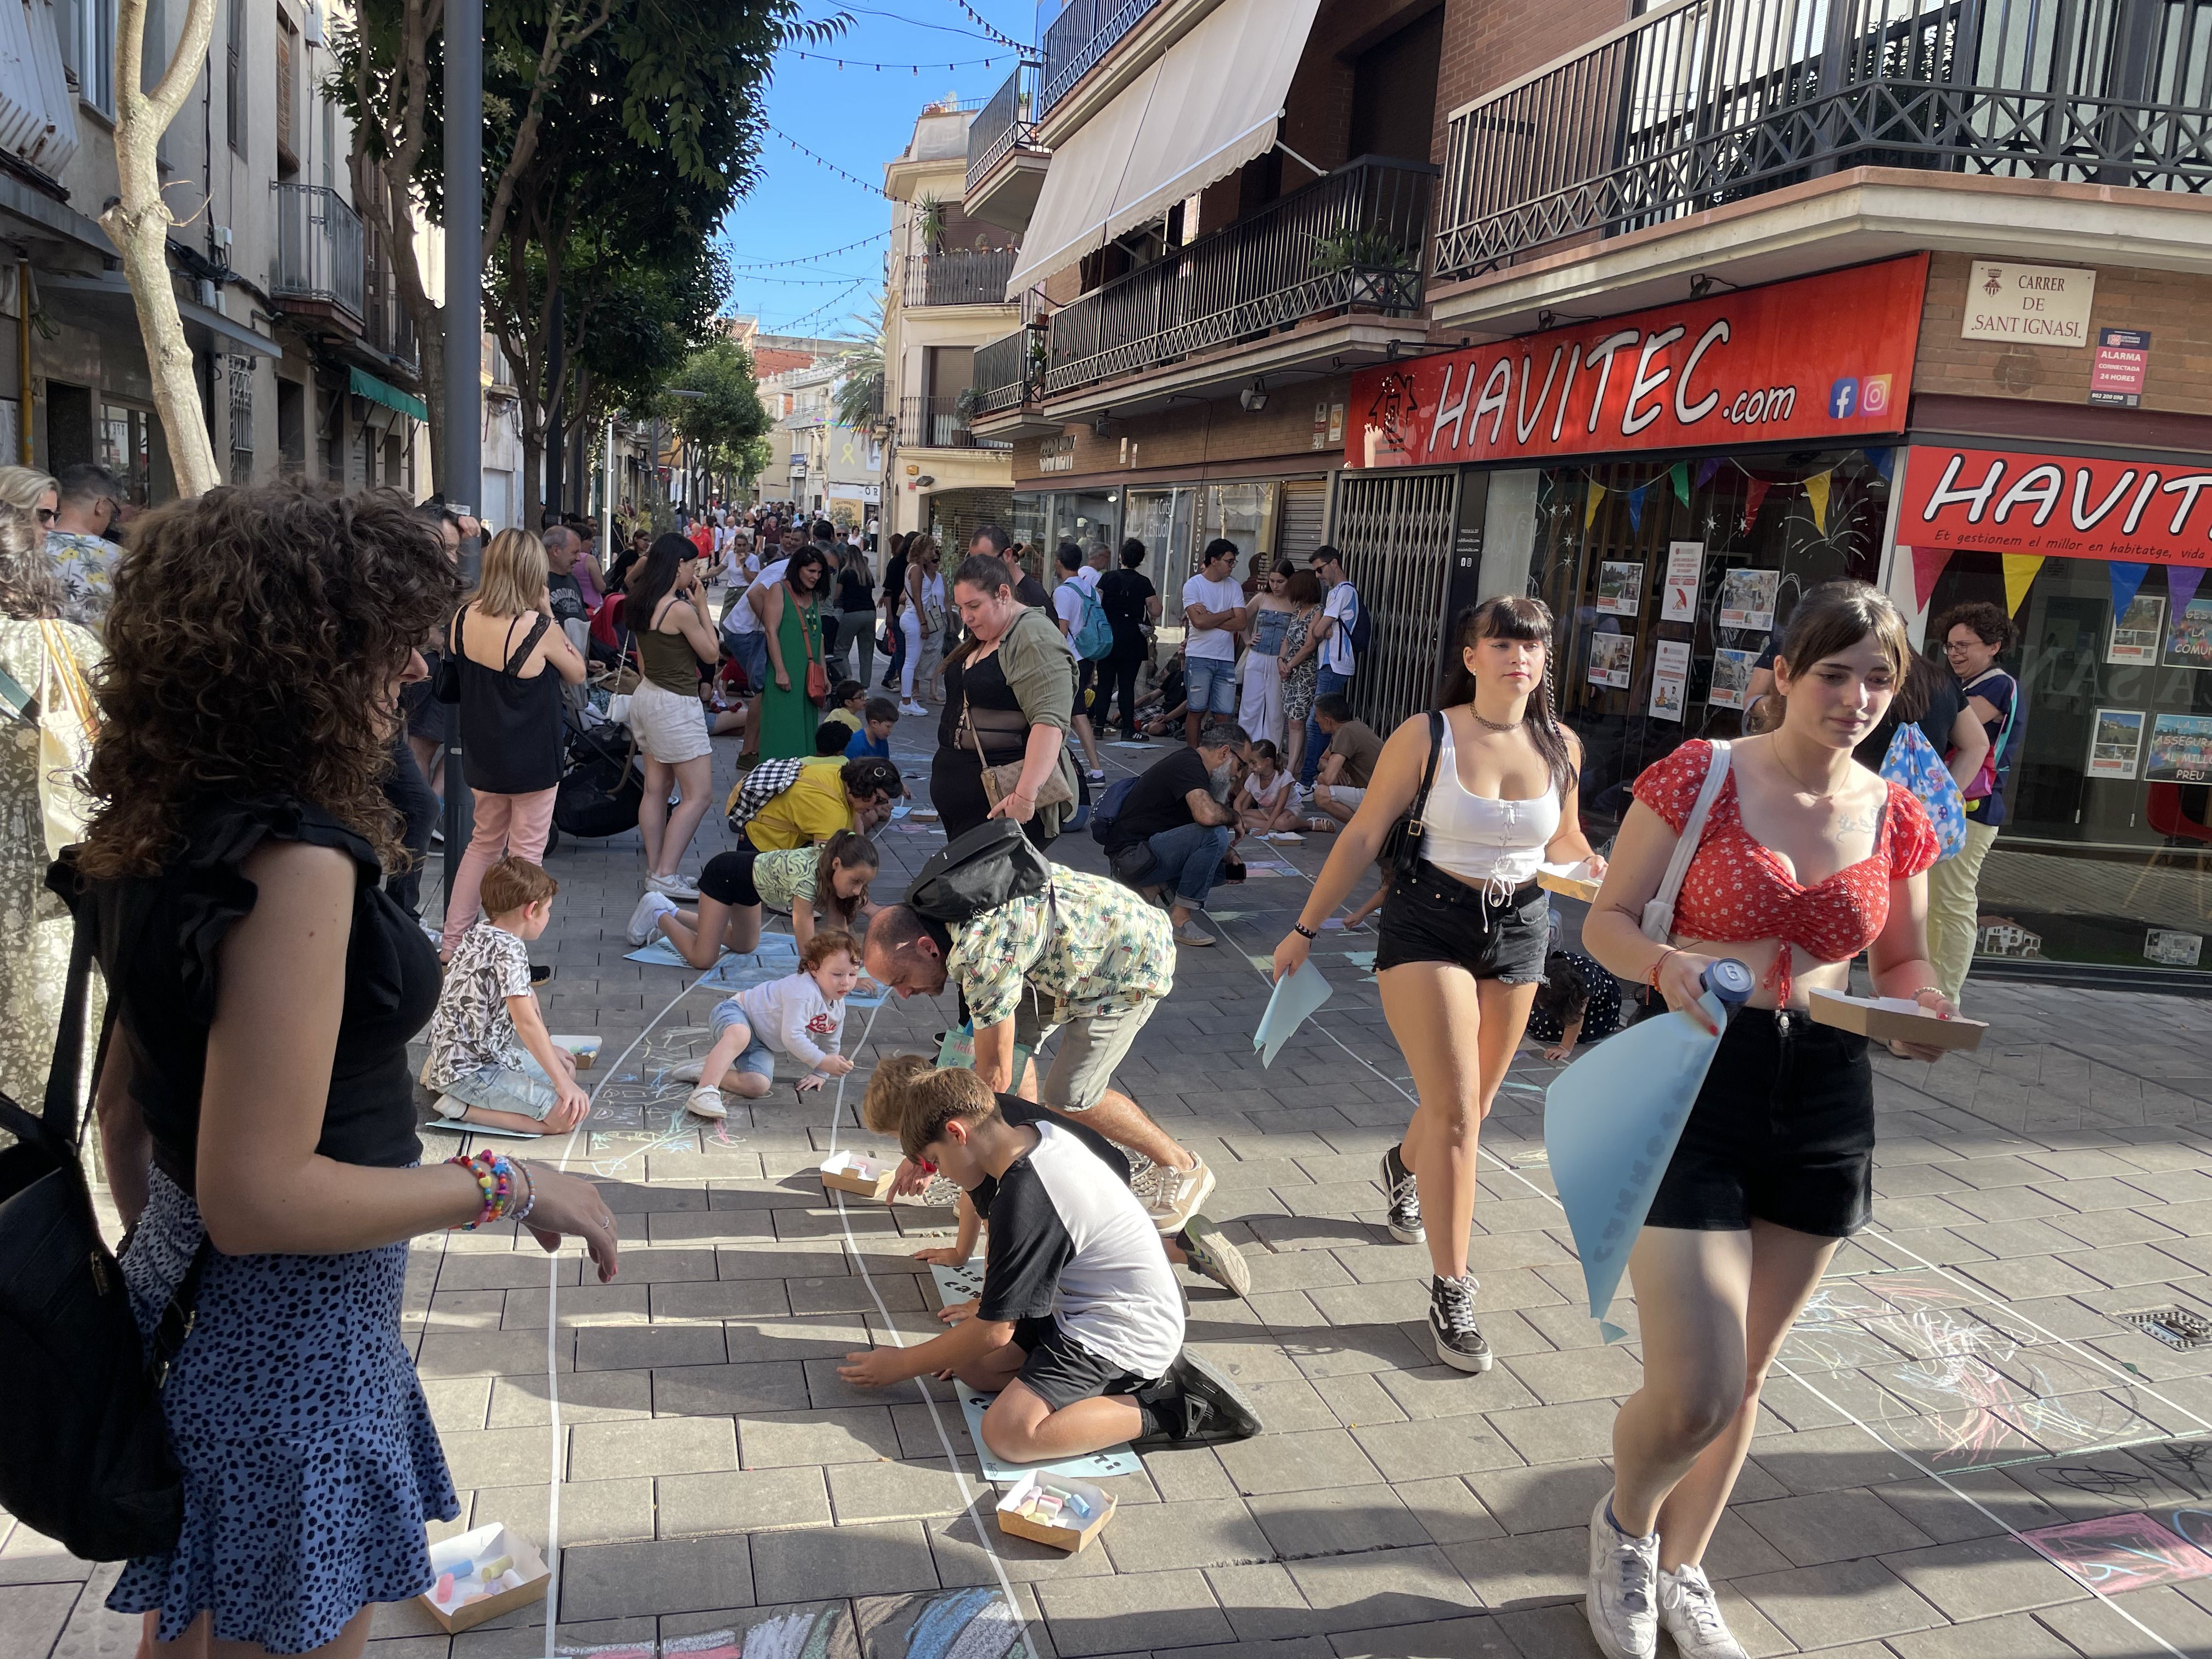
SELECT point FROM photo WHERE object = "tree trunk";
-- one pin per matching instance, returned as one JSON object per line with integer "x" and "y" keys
{"x": 138, "y": 223}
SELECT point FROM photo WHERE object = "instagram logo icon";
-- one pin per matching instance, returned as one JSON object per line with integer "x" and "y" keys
{"x": 1874, "y": 395}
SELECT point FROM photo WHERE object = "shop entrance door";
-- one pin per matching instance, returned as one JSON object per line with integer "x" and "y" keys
{"x": 1395, "y": 530}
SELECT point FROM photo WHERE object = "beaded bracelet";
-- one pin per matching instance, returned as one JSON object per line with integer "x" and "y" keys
{"x": 529, "y": 1194}
{"x": 494, "y": 1178}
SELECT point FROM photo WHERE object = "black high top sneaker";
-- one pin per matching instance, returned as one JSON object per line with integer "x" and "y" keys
{"x": 1460, "y": 1342}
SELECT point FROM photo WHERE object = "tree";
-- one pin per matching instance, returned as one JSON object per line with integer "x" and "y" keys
{"x": 137, "y": 220}
{"x": 860, "y": 394}
{"x": 723, "y": 414}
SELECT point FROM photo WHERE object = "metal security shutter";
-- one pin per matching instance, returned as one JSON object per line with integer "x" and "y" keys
{"x": 1303, "y": 511}
{"x": 1395, "y": 531}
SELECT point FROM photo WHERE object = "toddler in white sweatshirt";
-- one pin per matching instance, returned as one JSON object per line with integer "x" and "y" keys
{"x": 801, "y": 1015}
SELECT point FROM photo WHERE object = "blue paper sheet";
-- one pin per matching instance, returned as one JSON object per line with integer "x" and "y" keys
{"x": 1091, "y": 1466}
{"x": 662, "y": 954}
{"x": 1293, "y": 1002}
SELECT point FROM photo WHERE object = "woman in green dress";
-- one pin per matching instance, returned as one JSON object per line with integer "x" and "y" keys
{"x": 793, "y": 622}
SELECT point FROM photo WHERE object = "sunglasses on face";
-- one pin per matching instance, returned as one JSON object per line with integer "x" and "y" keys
{"x": 47, "y": 515}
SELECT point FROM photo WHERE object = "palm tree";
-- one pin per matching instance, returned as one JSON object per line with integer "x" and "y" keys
{"x": 859, "y": 399}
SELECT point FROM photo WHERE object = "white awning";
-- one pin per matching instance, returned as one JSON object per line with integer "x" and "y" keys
{"x": 1207, "y": 107}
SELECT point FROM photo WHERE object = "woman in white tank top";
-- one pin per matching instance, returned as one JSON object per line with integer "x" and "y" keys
{"x": 1463, "y": 940}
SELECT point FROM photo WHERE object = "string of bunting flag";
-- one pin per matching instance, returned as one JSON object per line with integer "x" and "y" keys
{"x": 1818, "y": 487}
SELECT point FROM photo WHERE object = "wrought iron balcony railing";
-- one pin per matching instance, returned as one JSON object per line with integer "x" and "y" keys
{"x": 1700, "y": 103}
{"x": 1085, "y": 31}
{"x": 1003, "y": 123}
{"x": 1354, "y": 239}
{"x": 318, "y": 248}
{"x": 941, "y": 423}
{"x": 958, "y": 279}
{"x": 1009, "y": 371}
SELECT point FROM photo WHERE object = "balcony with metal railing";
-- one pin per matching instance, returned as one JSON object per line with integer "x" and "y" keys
{"x": 1085, "y": 31}
{"x": 391, "y": 330}
{"x": 1703, "y": 103}
{"x": 1352, "y": 241}
{"x": 942, "y": 423}
{"x": 958, "y": 278}
{"x": 317, "y": 269}
{"x": 1003, "y": 122}
{"x": 1009, "y": 372}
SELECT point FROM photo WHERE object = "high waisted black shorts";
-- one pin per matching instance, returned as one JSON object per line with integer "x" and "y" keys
{"x": 1782, "y": 1132}
{"x": 1435, "y": 917}
{"x": 727, "y": 879}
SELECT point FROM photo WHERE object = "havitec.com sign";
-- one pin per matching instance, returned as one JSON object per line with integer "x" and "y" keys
{"x": 2071, "y": 507}
{"x": 1824, "y": 357}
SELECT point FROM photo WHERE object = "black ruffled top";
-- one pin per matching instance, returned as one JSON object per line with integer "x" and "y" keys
{"x": 158, "y": 938}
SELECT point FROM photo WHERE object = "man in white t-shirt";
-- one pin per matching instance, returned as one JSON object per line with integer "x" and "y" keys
{"x": 1331, "y": 638}
{"x": 1067, "y": 596}
{"x": 1212, "y": 615}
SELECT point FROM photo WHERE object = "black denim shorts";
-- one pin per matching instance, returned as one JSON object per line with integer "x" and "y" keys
{"x": 1782, "y": 1132}
{"x": 1435, "y": 917}
{"x": 1060, "y": 1371}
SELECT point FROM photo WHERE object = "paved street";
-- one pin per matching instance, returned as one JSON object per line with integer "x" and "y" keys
{"x": 1962, "y": 1381}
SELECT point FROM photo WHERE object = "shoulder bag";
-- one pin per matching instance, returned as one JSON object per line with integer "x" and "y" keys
{"x": 1001, "y": 782}
{"x": 818, "y": 677}
{"x": 1401, "y": 846}
{"x": 1911, "y": 761}
{"x": 1659, "y": 914}
{"x": 67, "y": 720}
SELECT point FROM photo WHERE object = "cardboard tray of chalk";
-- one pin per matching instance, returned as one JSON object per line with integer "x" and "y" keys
{"x": 584, "y": 1050}
{"x": 1570, "y": 880}
{"x": 859, "y": 1172}
{"x": 482, "y": 1574}
{"x": 1054, "y": 1510}
{"x": 1893, "y": 1019}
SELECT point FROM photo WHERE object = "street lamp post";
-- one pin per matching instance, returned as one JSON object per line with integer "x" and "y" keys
{"x": 464, "y": 136}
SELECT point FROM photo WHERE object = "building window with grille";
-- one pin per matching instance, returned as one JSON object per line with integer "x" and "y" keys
{"x": 241, "y": 420}
{"x": 233, "y": 75}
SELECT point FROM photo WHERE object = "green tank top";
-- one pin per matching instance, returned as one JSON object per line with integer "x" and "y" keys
{"x": 669, "y": 661}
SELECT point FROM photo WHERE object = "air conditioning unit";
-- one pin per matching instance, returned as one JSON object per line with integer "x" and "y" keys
{"x": 221, "y": 238}
{"x": 204, "y": 292}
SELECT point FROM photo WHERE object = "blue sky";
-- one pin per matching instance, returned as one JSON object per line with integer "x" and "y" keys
{"x": 858, "y": 118}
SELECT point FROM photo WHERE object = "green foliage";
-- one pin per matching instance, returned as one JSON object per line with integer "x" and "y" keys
{"x": 1347, "y": 248}
{"x": 727, "y": 415}
{"x": 860, "y": 395}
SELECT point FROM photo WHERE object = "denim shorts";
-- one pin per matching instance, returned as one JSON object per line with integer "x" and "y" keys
{"x": 1434, "y": 917}
{"x": 1209, "y": 685}
{"x": 759, "y": 1058}
{"x": 525, "y": 1090}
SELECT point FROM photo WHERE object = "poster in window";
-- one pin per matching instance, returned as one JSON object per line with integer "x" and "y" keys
{"x": 1611, "y": 657}
{"x": 2189, "y": 638}
{"x": 2171, "y": 948}
{"x": 1731, "y": 678}
{"x": 1747, "y": 599}
{"x": 1619, "y": 586}
{"x": 2180, "y": 749}
{"x": 2116, "y": 748}
{"x": 1670, "y": 678}
{"x": 1685, "y": 562}
{"x": 2135, "y": 632}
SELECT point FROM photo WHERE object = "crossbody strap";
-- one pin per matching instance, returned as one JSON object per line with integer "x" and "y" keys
{"x": 1415, "y": 827}
{"x": 1660, "y": 912}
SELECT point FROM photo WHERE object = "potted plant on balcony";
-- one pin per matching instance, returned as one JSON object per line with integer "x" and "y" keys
{"x": 1369, "y": 255}
{"x": 929, "y": 219}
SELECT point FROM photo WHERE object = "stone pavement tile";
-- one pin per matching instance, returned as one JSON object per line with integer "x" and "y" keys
{"x": 632, "y": 1347}
{"x": 1297, "y": 1462}
{"x": 808, "y": 1563}
{"x": 1192, "y": 1472}
{"x": 1842, "y": 1601}
{"x": 497, "y": 1457}
{"x": 1189, "y": 1533}
{"x": 1262, "y": 1601}
{"x": 909, "y": 1491}
{"x": 459, "y": 1403}
{"x": 586, "y": 1397}
{"x": 1340, "y": 1522}
{"x": 1448, "y": 1445}
{"x": 1557, "y": 1631}
{"x": 2097, "y": 1630}
{"x": 2015, "y": 1636}
{"x": 1554, "y": 1434}
{"x": 1604, "y": 1373}
{"x": 1398, "y": 1300}
{"x": 2000, "y": 1238}
{"x": 490, "y": 1353}
{"x": 1360, "y": 1399}
{"x": 1737, "y": 1551}
{"x": 1291, "y": 1408}
{"x": 1294, "y": 1270}
{"x": 463, "y": 1310}
{"x": 1827, "y": 1460}
{"x": 655, "y": 1266}
{"x": 783, "y": 1440}
{"x": 510, "y": 1271}
{"x": 1447, "y": 1510}
{"x": 1433, "y": 1391}
{"x": 652, "y": 1446}
{"x": 752, "y": 1500}
{"x": 591, "y": 1511}
{"x": 1132, "y": 1612}
{"x": 586, "y": 1304}
{"x": 1982, "y": 1577}
{"x": 1347, "y": 1350}
{"x": 1289, "y": 1235}
{"x": 679, "y": 1575}
{"x": 814, "y": 1336}
{"x": 1835, "y": 1526}
{"x": 32, "y": 1616}
{"x": 1566, "y": 1326}
{"x": 889, "y": 1626}
{"x": 1291, "y": 1647}
{"x": 823, "y": 1629}
{"x": 901, "y": 1293}
{"x": 962, "y": 1561}
{"x": 1384, "y": 1586}
{"x": 711, "y": 1390}
{"x": 715, "y": 1300}
{"x": 2003, "y": 1204}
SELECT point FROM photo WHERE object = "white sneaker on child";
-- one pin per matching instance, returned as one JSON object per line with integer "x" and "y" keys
{"x": 650, "y": 909}
{"x": 1688, "y": 1612}
{"x": 706, "y": 1100}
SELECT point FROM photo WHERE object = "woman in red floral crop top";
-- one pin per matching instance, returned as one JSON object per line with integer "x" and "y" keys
{"x": 1806, "y": 859}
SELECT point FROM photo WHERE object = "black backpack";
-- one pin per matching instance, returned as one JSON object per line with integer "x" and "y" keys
{"x": 92, "y": 1466}
{"x": 1107, "y": 813}
{"x": 1361, "y": 632}
{"x": 979, "y": 870}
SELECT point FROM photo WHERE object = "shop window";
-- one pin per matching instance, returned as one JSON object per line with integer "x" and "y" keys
{"x": 1161, "y": 519}
{"x": 126, "y": 447}
{"x": 1241, "y": 513}
{"x": 1635, "y": 675}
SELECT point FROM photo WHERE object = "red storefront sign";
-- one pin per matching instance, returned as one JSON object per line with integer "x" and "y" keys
{"x": 1824, "y": 357}
{"x": 2065, "y": 506}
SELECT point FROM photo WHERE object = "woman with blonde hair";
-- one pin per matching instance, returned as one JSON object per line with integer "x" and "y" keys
{"x": 34, "y": 493}
{"x": 508, "y": 663}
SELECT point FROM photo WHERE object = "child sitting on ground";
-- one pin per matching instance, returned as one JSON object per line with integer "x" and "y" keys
{"x": 1079, "y": 1328}
{"x": 1577, "y": 1001}
{"x": 801, "y": 1015}
{"x": 1264, "y": 806}
{"x": 1200, "y": 1245}
{"x": 491, "y": 1062}
{"x": 830, "y": 738}
{"x": 848, "y": 702}
{"x": 873, "y": 739}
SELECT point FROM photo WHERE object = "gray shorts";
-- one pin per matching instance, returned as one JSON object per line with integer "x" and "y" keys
{"x": 1090, "y": 1048}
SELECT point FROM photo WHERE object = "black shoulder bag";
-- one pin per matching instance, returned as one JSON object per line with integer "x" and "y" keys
{"x": 91, "y": 1465}
{"x": 1401, "y": 847}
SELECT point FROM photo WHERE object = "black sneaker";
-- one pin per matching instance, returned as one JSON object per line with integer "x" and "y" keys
{"x": 1404, "y": 1220}
{"x": 1451, "y": 1321}
{"x": 540, "y": 972}
{"x": 1196, "y": 1406}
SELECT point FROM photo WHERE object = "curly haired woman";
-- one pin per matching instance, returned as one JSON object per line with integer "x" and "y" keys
{"x": 267, "y": 986}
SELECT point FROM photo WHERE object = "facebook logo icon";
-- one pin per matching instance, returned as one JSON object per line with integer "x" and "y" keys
{"x": 1843, "y": 397}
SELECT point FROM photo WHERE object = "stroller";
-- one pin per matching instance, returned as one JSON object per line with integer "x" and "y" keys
{"x": 603, "y": 784}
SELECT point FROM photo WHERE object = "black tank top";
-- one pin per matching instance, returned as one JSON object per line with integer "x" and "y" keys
{"x": 510, "y": 726}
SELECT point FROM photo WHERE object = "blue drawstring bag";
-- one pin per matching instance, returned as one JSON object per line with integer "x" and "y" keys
{"x": 1912, "y": 760}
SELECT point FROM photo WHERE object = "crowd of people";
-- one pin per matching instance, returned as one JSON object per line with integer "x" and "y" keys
{"x": 250, "y": 814}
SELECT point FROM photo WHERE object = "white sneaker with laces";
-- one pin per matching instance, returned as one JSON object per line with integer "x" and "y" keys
{"x": 1624, "y": 1574}
{"x": 1177, "y": 1194}
{"x": 1688, "y": 1612}
{"x": 706, "y": 1100}
{"x": 675, "y": 886}
{"x": 650, "y": 906}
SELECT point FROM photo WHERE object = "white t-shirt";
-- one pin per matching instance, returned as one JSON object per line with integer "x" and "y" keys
{"x": 1336, "y": 650}
{"x": 1068, "y": 603}
{"x": 1211, "y": 644}
{"x": 1267, "y": 798}
{"x": 743, "y": 618}
{"x": 793, "y": 1017}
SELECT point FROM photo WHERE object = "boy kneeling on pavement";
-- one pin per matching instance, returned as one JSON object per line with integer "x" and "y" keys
{"x": 1079, "y": 1328}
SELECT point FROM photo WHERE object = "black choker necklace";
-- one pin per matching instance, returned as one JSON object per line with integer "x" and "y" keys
{"x": 1493, "y": 725}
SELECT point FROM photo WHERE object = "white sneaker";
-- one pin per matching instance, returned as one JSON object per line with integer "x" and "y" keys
{"x": 1098, "y": 774}
{"x": 1688, "y": 1612}
{"x": 706, "y": 1102}
{"x": 1177, "y": 1194}
{"x": 676, "y": 886}
{"x": 650, "y": 909}
{"x": 1624, "y": 1574}
{"x": 913, "y": 708}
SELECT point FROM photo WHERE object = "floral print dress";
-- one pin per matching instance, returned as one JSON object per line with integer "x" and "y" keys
{"x": 1298, "y": 686}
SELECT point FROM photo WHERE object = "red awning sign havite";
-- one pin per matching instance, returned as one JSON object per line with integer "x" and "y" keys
{"x": 1824, "y": 357}
{"x": 2065, "y": 506}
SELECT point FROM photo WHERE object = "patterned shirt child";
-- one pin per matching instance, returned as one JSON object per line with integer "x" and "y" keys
{"x": 471, "y": 1029}
{"x": 1091, "y": 944}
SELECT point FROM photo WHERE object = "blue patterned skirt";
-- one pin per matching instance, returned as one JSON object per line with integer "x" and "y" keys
{"x": 311, "y": 1464}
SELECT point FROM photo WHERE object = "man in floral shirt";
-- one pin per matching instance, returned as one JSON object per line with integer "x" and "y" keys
{"x": 88, "y": 500}
{"x": 1087, "y": 954}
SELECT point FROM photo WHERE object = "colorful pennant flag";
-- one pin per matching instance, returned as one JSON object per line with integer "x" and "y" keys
{"x": 1589, "y": 504}
{"x": 1636, "y": 506}
{"x": 1753, "y": 496}
{"x": 2126, "y": 579}
{"x": 2181, "y": 581}
{"x": 2020, "y": 570}
{"x": 1884, "y": 460}
{"x": 1928, "y": 564}
{"x": 1816, "y": 492}
{"x": 1706, "y": 468}
{"x": 1679, "y": 472}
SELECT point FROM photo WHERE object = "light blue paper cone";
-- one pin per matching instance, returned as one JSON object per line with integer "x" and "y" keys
{"x": 1291, "y": 1005}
